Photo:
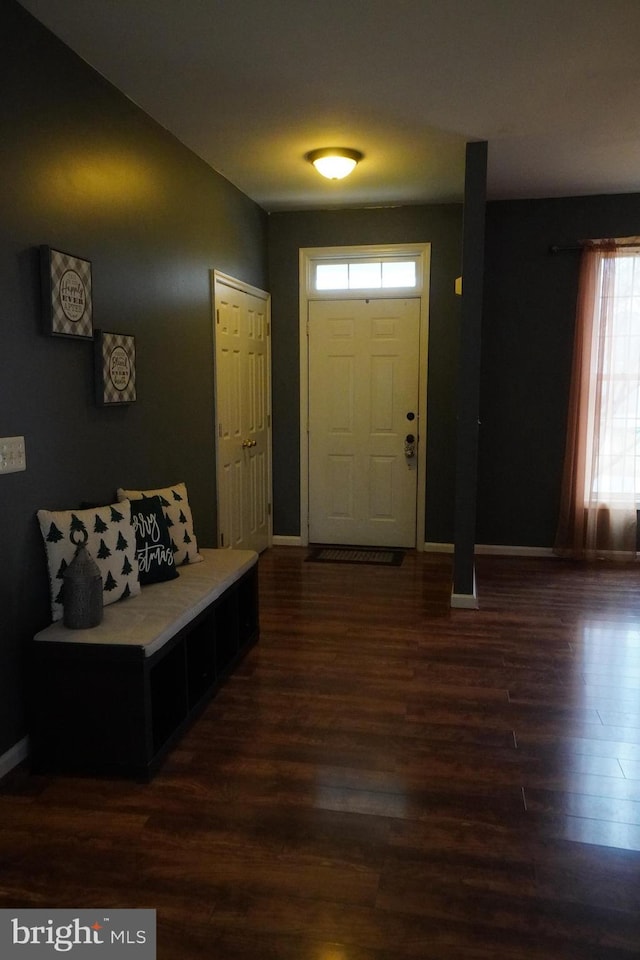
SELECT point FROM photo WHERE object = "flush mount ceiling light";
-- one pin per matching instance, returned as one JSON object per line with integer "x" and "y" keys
{"x": 334, "y": 163}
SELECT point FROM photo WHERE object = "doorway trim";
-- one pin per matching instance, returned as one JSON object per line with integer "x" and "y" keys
{"x": 308, "y": 258}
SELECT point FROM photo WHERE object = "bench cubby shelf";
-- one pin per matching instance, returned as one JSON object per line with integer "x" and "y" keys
{"x": 115, "y": 708}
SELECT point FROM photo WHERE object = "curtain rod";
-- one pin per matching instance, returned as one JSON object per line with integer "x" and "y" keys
{"x": 568, "y": 247}
{"x": 564, "y": 248}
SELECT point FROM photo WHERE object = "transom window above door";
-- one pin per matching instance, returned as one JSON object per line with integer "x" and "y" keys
{"x": 384, "y": 274}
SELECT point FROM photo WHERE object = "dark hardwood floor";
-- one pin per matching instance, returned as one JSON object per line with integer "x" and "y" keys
{"x": 383, "y": 778}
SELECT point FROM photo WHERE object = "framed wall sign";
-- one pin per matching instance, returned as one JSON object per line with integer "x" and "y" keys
{"x": 66, "y": 294}
{"x": 115, "y": 368}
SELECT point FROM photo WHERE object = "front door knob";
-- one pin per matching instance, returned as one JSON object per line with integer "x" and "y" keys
{"x": 410, "y": 445}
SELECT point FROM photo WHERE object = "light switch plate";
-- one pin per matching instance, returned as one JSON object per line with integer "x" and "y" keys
{"x": 13, "y": 456}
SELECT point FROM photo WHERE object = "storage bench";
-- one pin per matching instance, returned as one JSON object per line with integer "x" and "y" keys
{"x": 113, "y": 699}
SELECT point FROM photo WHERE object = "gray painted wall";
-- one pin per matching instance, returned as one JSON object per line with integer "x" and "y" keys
{"x": 527, "y": 334}
{"x": 527, "y": 339}
{"x": 85, "y": 171}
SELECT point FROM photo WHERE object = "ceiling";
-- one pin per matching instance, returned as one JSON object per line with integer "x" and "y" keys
{"x": 252, "y": 85}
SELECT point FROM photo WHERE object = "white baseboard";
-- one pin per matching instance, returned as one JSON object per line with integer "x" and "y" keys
{"x": 487, "y": 549}
{"x": 18, "y": 752}
{"x": 496, "y": 550}
{"x": 287, "y": 541}
{"x": 464, "y": 601}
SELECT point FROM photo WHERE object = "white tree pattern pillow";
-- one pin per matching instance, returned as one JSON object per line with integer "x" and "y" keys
{"x": 175, "y": 503}
{"x": 111, "y": 541}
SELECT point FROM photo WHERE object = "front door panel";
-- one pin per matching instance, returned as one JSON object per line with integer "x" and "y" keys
{"x": 363, "y": 383}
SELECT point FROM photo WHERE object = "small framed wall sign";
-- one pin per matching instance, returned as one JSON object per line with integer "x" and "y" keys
{"x": 66, "y": 294}
{"x": 115, "y": 368}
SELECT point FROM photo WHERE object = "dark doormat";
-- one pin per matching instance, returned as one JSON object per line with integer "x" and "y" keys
{"x": 378, "y": 555}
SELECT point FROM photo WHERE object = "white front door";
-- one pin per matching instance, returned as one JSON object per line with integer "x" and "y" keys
{"x": 363, "y": 413}
{"x": 243, "y": 416}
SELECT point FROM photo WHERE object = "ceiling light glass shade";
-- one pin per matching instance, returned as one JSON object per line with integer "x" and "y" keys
{"x": 334, "y": 163}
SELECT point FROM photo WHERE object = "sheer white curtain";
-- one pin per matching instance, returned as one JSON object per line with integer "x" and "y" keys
{"x": 601, "y": 482}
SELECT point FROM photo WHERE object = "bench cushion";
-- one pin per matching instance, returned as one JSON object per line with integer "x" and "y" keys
{"x": 162, "y": 609}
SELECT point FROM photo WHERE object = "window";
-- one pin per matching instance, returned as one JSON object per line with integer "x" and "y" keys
{"x": 601, "y": 481}
{"x": 615, "y": 375}
{"x": 366, "y": 275}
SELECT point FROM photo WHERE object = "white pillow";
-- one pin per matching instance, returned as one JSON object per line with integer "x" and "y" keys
{"x": 175, "y": 503}
{"x": 111, "y": 541}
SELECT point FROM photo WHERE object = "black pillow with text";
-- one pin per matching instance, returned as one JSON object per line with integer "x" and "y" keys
{"x": 153, "y": 541}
